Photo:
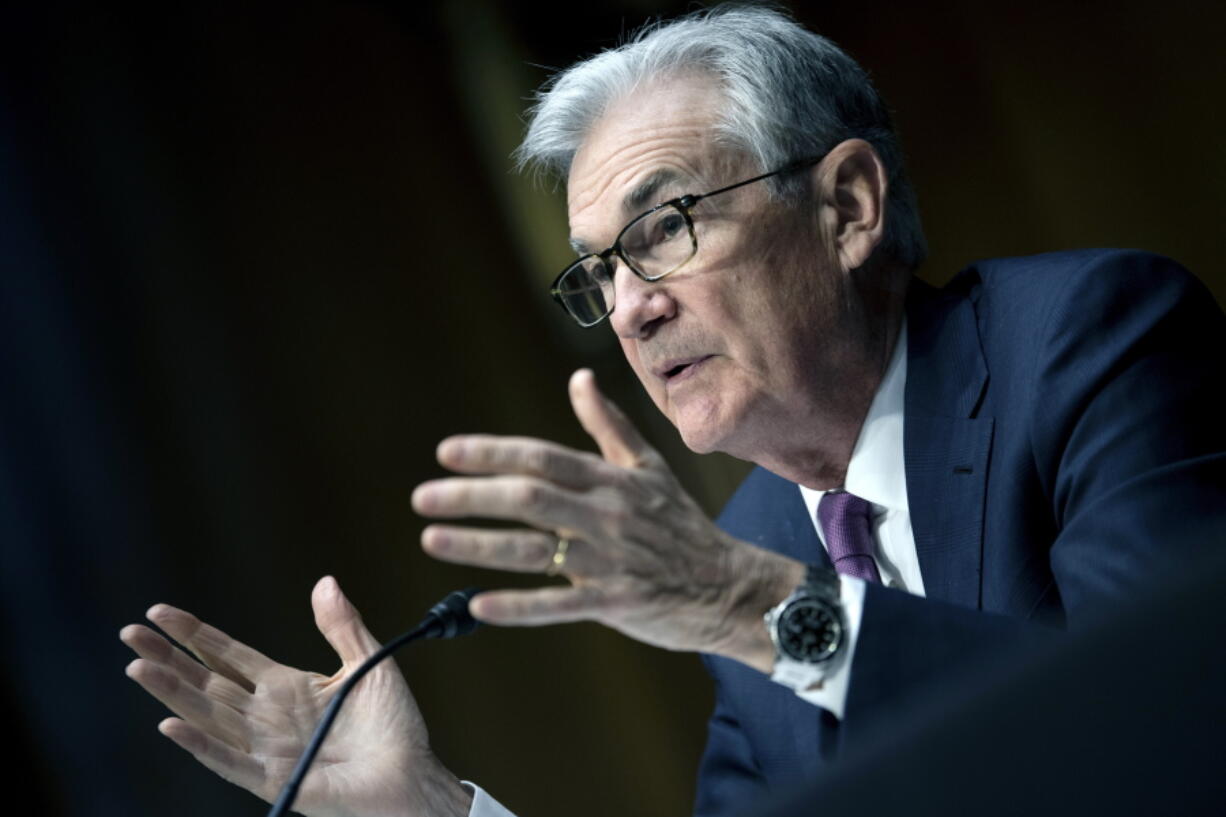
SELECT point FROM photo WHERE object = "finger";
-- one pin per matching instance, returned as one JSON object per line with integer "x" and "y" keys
{"x": 235, "y": 766}
{"x": 523, "y": 551}
{"x": 340, "y": 622}
{"x": 219, "y": 652}
{"x": 152, "y": 647}
{"x": 619, "y": 441}
{"x": 536, "y": 502}
{"x": 531, "y": 608}
{"x": 148, "y": 644}
{"x": 488, "y": 454}
{"x": 189, "y": 703}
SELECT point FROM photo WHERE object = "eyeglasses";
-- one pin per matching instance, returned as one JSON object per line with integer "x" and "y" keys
{"x": 653, "y": 245}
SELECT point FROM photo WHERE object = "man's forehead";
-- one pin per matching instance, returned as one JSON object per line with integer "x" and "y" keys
{"x": 644, "y": 146}
{"x": 656, "y": 187}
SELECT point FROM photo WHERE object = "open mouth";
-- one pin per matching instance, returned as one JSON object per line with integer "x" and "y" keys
{"x": 683, "y": 369}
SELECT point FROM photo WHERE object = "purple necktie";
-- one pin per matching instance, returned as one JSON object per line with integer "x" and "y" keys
{"x": 849, "y": 534}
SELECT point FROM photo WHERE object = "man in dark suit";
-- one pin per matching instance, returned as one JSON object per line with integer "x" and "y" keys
{"x": 938, "y": 469}
{"x": 1061, "y": 456}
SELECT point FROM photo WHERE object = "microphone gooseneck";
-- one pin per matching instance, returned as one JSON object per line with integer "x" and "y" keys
{"x": 447, "y": 619}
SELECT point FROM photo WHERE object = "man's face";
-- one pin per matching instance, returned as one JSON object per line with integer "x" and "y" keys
{"x": 744, "y": 341}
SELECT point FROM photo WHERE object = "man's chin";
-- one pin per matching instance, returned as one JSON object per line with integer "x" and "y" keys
{"x": 701, "y": 438}
{"x": 704, "y": 423}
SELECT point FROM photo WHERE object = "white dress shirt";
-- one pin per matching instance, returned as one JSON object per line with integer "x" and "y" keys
{"x": 875, "y": 473}
{"x": 484, "y": 805}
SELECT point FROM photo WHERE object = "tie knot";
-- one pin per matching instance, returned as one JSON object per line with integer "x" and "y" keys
{"x": 847, "y": 525}
{"x": 837, "y": 506}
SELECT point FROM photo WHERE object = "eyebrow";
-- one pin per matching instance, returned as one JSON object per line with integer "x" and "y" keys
{"x": 637, "y": 200}
{"x": 643, "y": 196}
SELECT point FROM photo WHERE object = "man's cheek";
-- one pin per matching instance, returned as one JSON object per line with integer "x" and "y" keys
{"x": 649, "y": 382}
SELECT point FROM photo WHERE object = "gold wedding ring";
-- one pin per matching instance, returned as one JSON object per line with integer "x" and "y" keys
{"x": 559, "y": 557}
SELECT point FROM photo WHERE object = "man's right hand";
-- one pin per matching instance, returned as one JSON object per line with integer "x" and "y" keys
{"x": 248, "y": 718}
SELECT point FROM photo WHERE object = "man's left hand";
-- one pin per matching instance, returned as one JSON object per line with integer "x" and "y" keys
{"x": 641, "y": 556}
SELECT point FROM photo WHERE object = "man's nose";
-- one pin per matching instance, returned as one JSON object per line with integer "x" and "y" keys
{"x": 639, "y": 307}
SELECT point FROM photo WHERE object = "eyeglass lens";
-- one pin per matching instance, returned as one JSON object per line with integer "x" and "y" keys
{"x": 586, "y": 290}
{"x": 654, "y": 244}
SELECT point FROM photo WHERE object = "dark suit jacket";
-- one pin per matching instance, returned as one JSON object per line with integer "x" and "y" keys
{"x": 1062, "y": 446}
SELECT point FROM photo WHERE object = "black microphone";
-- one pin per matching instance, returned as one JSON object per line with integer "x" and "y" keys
{"x": 447, "y": 619}
{"x": 450, "y": 617}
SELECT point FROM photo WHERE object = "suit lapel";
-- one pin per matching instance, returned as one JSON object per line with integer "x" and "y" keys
{"x": 946, "y": 445}
{"x": 946, "y": 449}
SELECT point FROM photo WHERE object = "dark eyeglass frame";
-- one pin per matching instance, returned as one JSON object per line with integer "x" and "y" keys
{"x": 682, "y": 204}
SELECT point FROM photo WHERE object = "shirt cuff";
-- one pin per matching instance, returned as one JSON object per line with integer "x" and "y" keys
{"x": 832, "y": 694}
{"x": 484, "y": 805}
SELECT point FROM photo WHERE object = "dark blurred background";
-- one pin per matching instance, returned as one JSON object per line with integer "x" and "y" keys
{"x": 256, "y": 261}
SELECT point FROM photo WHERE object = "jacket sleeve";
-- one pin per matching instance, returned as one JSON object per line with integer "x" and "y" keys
{"x": 729, "y": 776}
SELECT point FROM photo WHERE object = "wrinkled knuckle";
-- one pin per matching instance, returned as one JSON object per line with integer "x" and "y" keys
{"x": 477, "y": 453}
{"x": 529, "y": 494}
{"x": 188, "y": 625}
{"x": 169, "y": 681}
{"x": 448, "y": 496}
{"x": 626, "y": 480}
{"x": 506, "y": 550}
{"x": 524, "y": 494}
{"x": 538, "y": 550}
{"x": 160, "y": 649}
{"x": 537, "y": 459}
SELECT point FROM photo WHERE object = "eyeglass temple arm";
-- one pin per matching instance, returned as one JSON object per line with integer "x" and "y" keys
{"x": 799, "y": 164}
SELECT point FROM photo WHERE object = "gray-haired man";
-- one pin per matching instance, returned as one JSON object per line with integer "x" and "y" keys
{"x": 737, "y": 198}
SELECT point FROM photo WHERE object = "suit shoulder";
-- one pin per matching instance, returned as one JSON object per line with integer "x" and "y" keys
{"x": 748, "y": 498}
{"x": 1055, "y": 272}
{"x": 1023, "y": 294}
{"x": 768, "y": 511}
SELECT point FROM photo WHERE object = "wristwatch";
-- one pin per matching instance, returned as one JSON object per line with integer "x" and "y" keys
{"x": 808, "y": 630}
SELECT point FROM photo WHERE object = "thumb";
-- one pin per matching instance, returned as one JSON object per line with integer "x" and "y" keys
{"x": 618, "y": 439}
{"x": 340, "y": 622}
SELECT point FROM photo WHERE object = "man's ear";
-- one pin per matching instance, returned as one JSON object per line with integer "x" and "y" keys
{"x": 852, "y": 186}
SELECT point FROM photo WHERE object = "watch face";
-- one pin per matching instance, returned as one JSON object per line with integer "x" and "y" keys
{"x": 809, "y": 630}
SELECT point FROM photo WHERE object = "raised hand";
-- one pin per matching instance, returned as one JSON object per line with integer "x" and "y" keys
{"x": 248, "y": 718}
{"x": 641, "y": 555}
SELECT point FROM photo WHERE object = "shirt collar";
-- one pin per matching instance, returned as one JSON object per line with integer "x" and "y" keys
{"x": 876, "y": 469}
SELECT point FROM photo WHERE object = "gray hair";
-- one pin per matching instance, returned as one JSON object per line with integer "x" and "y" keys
{"x": 789, "y": 93}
